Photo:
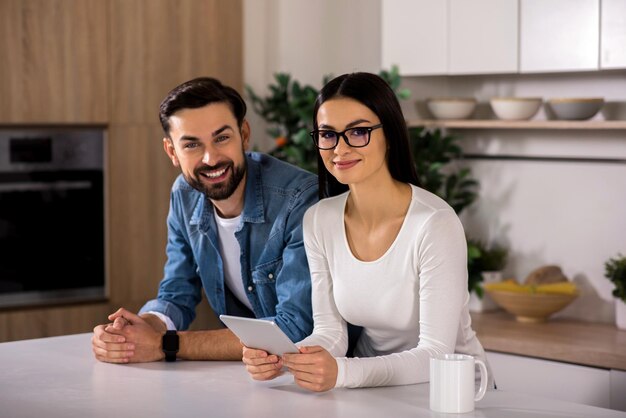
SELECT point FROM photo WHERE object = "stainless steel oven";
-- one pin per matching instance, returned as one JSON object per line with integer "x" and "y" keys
{"x": 51, "y": 216}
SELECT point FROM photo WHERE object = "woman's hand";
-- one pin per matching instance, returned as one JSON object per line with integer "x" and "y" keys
{"x": 314, "y": 368}
{"x": 260, "y": 364}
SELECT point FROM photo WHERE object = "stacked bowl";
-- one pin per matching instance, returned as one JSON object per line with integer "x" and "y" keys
{"x": 451, "y": 107}
{"x": 515, "y": 108}
{"x": 575, "y": 108}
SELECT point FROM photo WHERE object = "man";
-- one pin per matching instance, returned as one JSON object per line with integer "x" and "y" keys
{"x": 234, "y": 231}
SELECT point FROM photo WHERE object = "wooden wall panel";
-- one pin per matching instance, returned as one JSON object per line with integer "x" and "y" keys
{"x": 54, "y": 61}
{"x": 154, "y": 46}
{"x": 158, "y": 44}
{"x": 139, "y": 181}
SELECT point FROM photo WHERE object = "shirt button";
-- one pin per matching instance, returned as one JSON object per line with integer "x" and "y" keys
{"x": 271, "y": 276}
{"x": 249, "y": 288}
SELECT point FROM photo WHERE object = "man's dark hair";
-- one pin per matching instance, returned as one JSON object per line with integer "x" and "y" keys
{"x": 200, "y": 92}
{"x": 373, "y": 92}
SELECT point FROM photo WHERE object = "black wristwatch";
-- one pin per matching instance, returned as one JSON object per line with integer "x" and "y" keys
{"x": 170, "y": 345}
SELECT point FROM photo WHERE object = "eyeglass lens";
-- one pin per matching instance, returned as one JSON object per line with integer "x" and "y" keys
{"x": 356, "y": 137}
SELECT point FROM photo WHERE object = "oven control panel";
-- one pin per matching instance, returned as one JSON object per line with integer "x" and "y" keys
{"x": 43, "y": 150}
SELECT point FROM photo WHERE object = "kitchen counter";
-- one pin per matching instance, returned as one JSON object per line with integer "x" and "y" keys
{"x": 566, "y": 340}
{"x": 59, "y": 377}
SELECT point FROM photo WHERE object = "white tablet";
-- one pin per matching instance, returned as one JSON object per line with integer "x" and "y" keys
{"x": 260, "y": 333}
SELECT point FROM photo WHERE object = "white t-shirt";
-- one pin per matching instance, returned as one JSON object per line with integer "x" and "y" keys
{"x": 231, "y": 254}
{"x": 412, "y": 301}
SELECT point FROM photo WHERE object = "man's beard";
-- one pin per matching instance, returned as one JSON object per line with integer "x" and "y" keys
{"x": 219, "y": 191}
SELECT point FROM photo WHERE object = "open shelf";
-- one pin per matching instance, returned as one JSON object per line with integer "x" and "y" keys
{"x": 519, "y": 124}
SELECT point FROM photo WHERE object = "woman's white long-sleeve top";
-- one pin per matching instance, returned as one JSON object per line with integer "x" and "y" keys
{"x": 412, "y": 302}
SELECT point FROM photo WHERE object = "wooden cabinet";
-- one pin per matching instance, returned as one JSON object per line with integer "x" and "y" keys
{"x": 54, "y": 61}
{"x": 157, "y": 44}
{"x": 483, "y": 36}
{"x": 112, "y": 62}
{"x": 613, "y": 34}
{"x": 559, "y": 35}
{"x": 414, "y": 36}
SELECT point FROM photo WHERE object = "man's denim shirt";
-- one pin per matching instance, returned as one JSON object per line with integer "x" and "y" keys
{"x": 274, "y": 268}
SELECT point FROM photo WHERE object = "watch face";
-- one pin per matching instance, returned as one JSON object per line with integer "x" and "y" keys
{"x": 170, "y": 342}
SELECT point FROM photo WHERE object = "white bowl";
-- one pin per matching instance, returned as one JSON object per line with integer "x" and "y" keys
{"x": 451, "y": 107}
{"x": 515, "y": 108}
{"x": 575, "y": 109}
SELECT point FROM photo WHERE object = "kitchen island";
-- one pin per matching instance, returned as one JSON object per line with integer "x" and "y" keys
{"x": 59, "y": 377}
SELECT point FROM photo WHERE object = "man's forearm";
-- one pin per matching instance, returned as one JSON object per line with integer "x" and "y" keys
{"x": 219, "y": 344}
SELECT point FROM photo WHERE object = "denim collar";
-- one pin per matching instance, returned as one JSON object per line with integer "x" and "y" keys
{"x": 253, "y": 207}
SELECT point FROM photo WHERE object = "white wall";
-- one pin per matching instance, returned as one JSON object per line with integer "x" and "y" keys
{"x": 307, "y": 39}
{"x": 565, "y": 213}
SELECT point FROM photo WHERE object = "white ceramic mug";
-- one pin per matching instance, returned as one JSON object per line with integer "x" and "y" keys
{"x": 452, "y": 383}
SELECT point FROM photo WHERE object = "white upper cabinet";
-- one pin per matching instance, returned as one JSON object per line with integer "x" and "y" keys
{"x": 613, "y": 34}
{"x": 559, "y": 35}
{"x": 483, "y": 36}
{"x": 438, "y": 37}
{"x": 429, "y": 37}
{"x": 415, "y": 36}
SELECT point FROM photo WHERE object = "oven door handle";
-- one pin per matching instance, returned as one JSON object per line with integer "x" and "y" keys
{"x": 44, "y": 186}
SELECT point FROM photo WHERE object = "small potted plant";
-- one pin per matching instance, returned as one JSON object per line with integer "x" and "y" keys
{"x": 615, "y": 271}
{"x": 485, "y": 264}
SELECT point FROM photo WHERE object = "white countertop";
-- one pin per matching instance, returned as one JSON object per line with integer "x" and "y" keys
{"x": 59, "y": 377}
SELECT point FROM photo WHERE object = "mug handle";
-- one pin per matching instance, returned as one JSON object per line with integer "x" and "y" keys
{"x": 483, "y": 380}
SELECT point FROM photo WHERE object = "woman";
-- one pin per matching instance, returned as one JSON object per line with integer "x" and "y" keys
{"x": 383, "y": 253}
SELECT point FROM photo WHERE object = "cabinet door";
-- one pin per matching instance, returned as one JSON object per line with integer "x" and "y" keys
{"x": 559, "y": 35}
{"x": 613, "y": 34}
{"x": 414, "y": 36}
{"x": 618, "y": 390}
{"x": 483, "y": 36}
{"x": 54, "y": 60}
{"x": 551, "y": 379}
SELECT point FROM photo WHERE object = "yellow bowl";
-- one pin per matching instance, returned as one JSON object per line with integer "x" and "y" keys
{"x": 531, "y": 307}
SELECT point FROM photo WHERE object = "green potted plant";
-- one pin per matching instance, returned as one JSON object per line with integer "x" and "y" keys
{"x": 615, "y": 271}
{"x": 485, "y": 265}
{"x": 288, "y": 109}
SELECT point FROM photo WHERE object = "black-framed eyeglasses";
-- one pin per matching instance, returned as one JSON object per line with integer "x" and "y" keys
{"x": 358, "y": 137}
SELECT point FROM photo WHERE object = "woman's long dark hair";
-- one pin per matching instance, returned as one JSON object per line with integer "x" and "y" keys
{"x": 373, "y": 92}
